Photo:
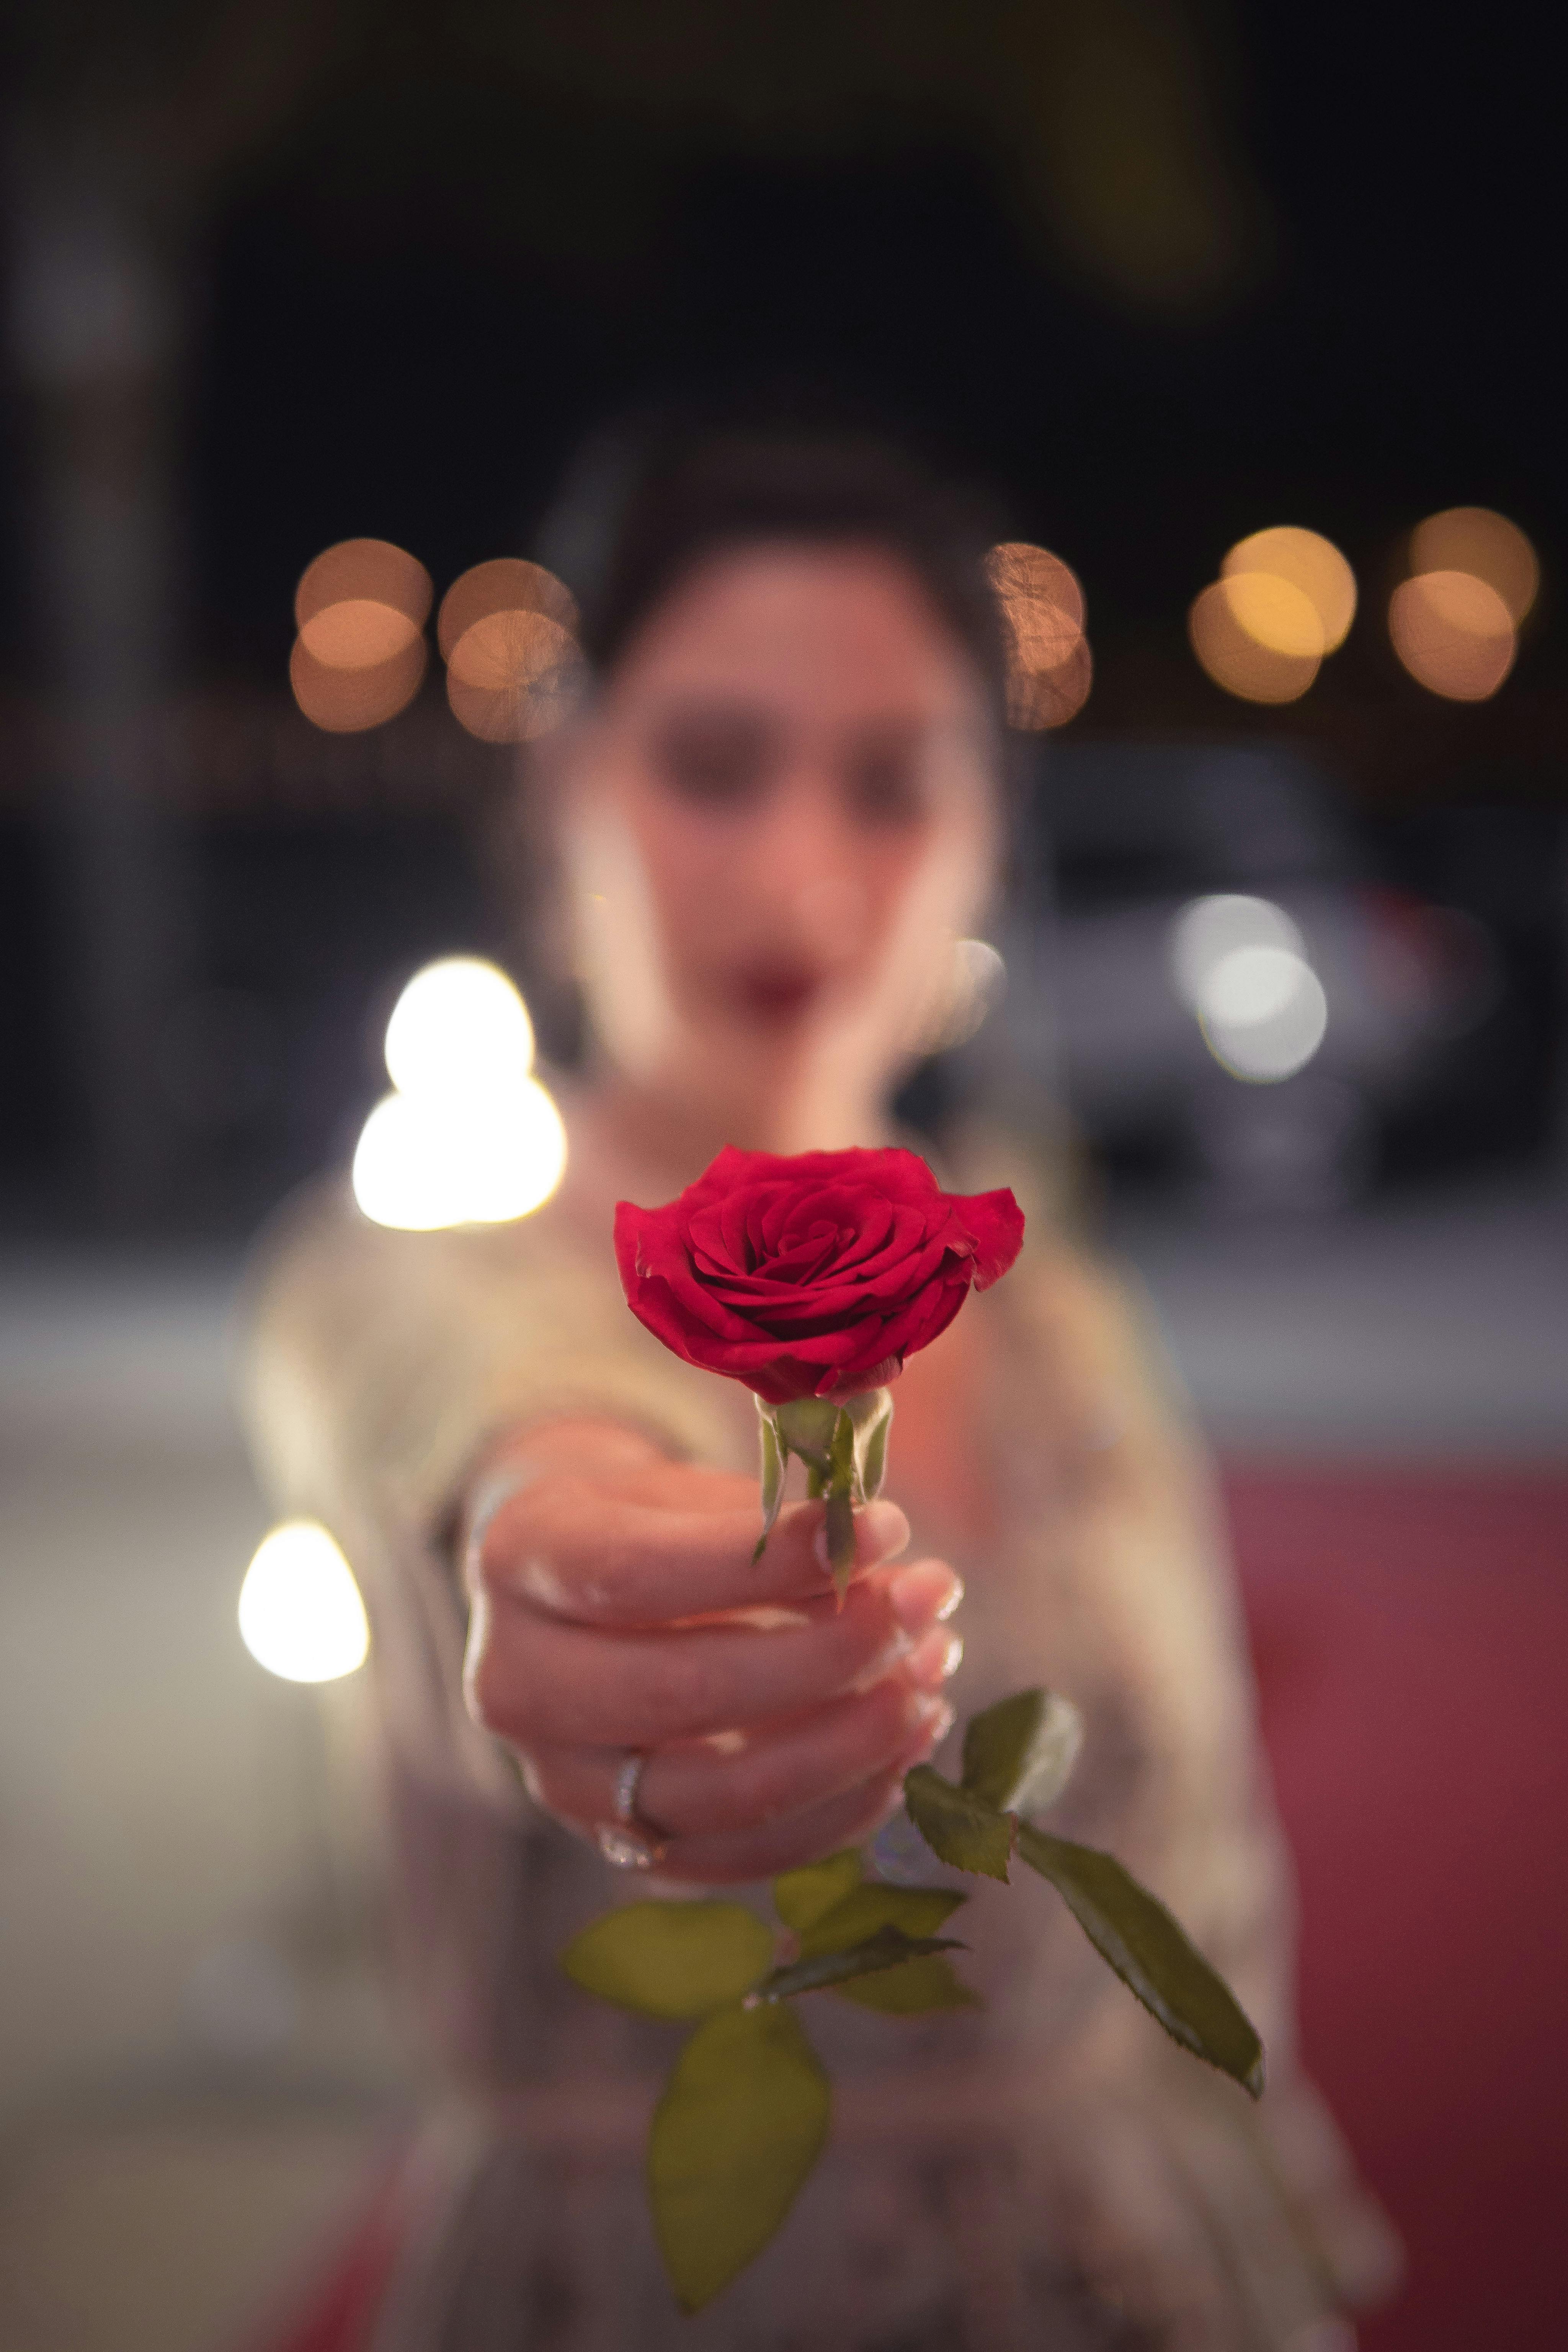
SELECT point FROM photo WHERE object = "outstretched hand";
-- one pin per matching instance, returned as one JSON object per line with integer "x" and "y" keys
{"x": 614, "y": 1607}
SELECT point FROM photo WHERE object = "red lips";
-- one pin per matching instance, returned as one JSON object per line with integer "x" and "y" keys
{"x": 774, "y": 995}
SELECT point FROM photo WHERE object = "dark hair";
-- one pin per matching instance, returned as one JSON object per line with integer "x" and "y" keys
{"x": 651, "y": 501}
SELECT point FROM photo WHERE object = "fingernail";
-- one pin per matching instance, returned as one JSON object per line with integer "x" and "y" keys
{"x": 933, "y": 1659}
{"x": 928, "y": 1590}
{"x": 932, "y": 1718}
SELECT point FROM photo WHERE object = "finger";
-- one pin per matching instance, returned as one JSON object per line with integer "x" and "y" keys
{"x": 744, "y": 1781}
{"x": 585, "y": 1551}
{"x": 535, "y": 1680}
{"x": 732, "y": 1860}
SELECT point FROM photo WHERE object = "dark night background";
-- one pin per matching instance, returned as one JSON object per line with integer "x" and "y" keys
{"x": 1158, "y": 277}
{"x": 430, "y": 287}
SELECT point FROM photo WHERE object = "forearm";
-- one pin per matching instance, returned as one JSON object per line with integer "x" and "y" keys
{"x": 384, "y": 1374}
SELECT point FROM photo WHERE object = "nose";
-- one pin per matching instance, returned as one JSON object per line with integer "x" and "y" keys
{"x": 805, "y": 868}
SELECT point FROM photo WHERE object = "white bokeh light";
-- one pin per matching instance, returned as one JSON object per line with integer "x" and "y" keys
{"x": 421, "y": 1164}
{"x": 978, "y": 983}
{"x": 468, "y": 1138}
{"x": 1208, "y": 929}
{"x": 1263, "y": 1012}
{"x": 1251, "y": 985}
{"x": 459, "y": 1026}
{"x": 301, "y": 1615}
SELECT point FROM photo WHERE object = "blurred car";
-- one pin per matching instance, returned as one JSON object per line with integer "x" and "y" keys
{"x": 1203, "y": 969}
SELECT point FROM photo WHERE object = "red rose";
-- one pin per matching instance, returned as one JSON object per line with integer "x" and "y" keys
{"x": 814, "y": 1275}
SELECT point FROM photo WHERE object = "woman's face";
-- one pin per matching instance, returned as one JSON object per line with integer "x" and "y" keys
{"x": 780, "y": 816}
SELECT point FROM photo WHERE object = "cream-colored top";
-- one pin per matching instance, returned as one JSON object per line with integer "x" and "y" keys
{"x": 1048, "y": 2171}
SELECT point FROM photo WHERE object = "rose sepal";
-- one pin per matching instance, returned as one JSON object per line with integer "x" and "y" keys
{"x": 844, "y": 1445}
{"x": 872, "y": 1412}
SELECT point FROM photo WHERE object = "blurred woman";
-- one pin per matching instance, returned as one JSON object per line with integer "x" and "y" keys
{"x": 776, "y": 815}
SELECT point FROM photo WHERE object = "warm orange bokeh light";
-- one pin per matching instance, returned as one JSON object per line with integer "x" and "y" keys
{"x": 1485, "y": 545}
{"x": 505, "y": 585}
{"x": 1454, "y": 634}
{"x": 1049, "y": 698}
{"x": 357, "y": 633}
{"x": 1311, "y": 565}
{"x": 1275, "y": 615}
{"x": 346, "y": 701}
{"x": 1257, "y": 636}
{"x": 1050, "y": 669}
{"x": 512, "y": 675}
{"x": 361, "y": 609}
{"x": 363, "y": 570}
{"x": 1024, "y": 576}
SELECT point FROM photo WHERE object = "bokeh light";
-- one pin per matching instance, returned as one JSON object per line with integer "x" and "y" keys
{"x": 1263, "y": 1012}
{"x": 301, "y": 1615}
{"x": 1306, "y": 562}
{"x": 469, "y": 1137}
{"x": 979, "y": 983}
{"x": 1485, "y": 545}
{"x": 1026, "y": 578}
{"x": 1049, "y": 666}
{"x": 459, "y": 1026}
{"x": 1275, "y": 615}
{"x": 1208, "y": 929}
{"x": 506, "y": 584}
{"x": 360, "y": 656}
{"x": 1240, "y": 964}
{"x": 357, "y": 634}
{"x": 513, "y": 676}
{"x": 1454, "y": 634}
{"x": 1049, "y": 698}
{"x": 345, "y": 701}
{"x": 1251, "y": 986}
{"x": 363, "y": 570}
{"x": 513, "y": 667}
{"x": 1257, "y": 636}
{"x": 421, "y": 1164}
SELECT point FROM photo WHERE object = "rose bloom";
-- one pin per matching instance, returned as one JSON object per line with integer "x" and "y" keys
{"x": 813, "y": 1273}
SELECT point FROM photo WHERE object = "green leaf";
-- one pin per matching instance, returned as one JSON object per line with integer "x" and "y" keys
{"x": 912, "y": 1910}
{"x": 889, "y": 1947}
{"x": 742, "y": 2120}
{"x": 959, "y": 1827}
{"x": 1017, "y": 1755}
{"x": 672, "y": 1960}
{"x": 802, "y": 1897}
{"x": 1151, "y": 1953}
{"x": 774, "y": 1461}
{"x": 909, "y": 1991}
{"x": 917, "y": 1911}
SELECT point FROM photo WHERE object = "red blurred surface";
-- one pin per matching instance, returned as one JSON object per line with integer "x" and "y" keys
{"x": 1411, "y": 1631}
{"x": 338, "y": 2309}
